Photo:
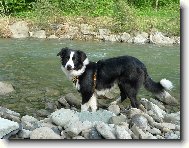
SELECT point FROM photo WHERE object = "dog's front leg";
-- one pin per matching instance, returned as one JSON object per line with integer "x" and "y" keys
{"x": 92, "y": 103}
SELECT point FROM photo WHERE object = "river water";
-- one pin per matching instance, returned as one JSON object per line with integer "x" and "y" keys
{"x": 33, "y": 68}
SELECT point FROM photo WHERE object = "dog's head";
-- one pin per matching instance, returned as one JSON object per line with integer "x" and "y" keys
{"x": 73, "y": 60}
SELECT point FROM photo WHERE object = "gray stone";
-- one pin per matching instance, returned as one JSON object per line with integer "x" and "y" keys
{"x": 103, "y": 33}
{"x": 7, "y": 126}
{"x": 5, "y": 88}
{"x": 86, "y": 29}
{"x": 73, "y": 100}
{"x": 134, "y": 111}
{"x": 78, "y": 137}
{"x": 99, "y": 115}
{"x": 112, "y": 38}
{"x": 166, "y": 98}
{"x": 63, "y": 116}
{"x": 105, "y": 130}
{"x": 52, "y": 37}
{"x": 164, "y": 126}
{"x": 155, "y": 131}
{"x": 9, "y": 114}
{"x": 71, "y": 32}
{"x": 38, "y": 34}
{"x": 44, "y": 133}
{"x": 141, "y": 38}
{"x": 94, "y": 134}
{"x": 140, "y": 121}
{"x": 159, "y": 38}
{"x": 43, "y": 113}
{"x": 19, "y": 29}
{"x": 29, "y": 122}
{"x": 159, "y": 104}
{"x": 118, "y": 119}
{"x": 121, "y": 133}
{"x": 173, "y": 118}
{"x": 137, "y": 131}
{"x": 114, "y": 109}
{"x": 171, "y": 135}
{"x": 24, "y": 134}
{"x": 125, "y": 37}
{"x": 63, "y": 102}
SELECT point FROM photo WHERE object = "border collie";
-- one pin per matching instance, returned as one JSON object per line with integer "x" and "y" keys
{"x": 93, "y": 79}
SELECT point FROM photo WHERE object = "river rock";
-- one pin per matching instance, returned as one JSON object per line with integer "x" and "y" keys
{"x": 73, "y": 128}
{"x": 99, "y": 115}
{"x": 52, "y": 37}
{"x": 165, "y": 97}
{"x": 63, "y": 102}
{"x": 70, "y": 32}
{"x": 73, "y": 100}
{"x": 9, "y": 114}
{"x": 86, "y": 29}
{"x": 155, "y": 131}
{"x": 24, "y": 134}
{"x": 121, "y": 133}
{"x": 117, "y": 119}
{"x": 94, "y": 134}
{"x": 141, "y": 38}
{"x": 63, "y": 116}
{"x": 173, "y": 118}
{"x": 140, "y": 121}
{"x": 38, "y": 34}
{"x": 43, "y": 113}
{"x": 114, "y": 109}
{"x": 29, "y": 122}
{"x": 105, "y": 130}
{"x": 7, "y": 126}
{"x": 19, "y": 29}
{"x": 104, "y": 33}
{"x": 125, "y": 37}
{"x": 171, "y": 135}
{"x": 44, "y": 133}
{"x": 5, "y": 88}
{"x": 165, "y": 126}
{"x": 78, "y": 137}
{"x": 158, "y": 103}
{"x": 159, "y": 38}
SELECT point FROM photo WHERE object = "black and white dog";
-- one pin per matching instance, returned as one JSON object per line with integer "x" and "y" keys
{"x": 93, "y": 79}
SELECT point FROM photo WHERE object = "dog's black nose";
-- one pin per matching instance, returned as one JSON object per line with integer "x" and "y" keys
{"x": 69, "y": 67}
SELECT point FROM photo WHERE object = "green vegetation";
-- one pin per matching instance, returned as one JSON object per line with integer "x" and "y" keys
{"x": 117, "y": 15}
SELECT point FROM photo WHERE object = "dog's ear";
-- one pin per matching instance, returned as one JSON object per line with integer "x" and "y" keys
{"x": 82, "y": 55}
{"x": 63, "y": 51}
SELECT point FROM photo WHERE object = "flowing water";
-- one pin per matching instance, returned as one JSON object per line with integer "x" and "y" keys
{"x": 33, "y": 68}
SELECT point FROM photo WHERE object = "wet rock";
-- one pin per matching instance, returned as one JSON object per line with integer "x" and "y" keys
{"x": 173, "y": 118}
{"x": 118, "y": 119}
{"x": 19, "y": 29}
{"x": 94, "y": 134}
{"x": 5, "y": 88}
{"x": 104, "y": 33}
{"x": 140, "y": 121}
{"x": 121, "y": 133}
{"x": 141, "y": 38}
{"x": 114, "y": 109}
{"x": 7, "y": 128}
{"x": 38, "y": 34}
{"x": 99, "y": 115}
{"x": 73, "y": 100}
{"x": 50, "y": 106}
{"x": 44, "y": 133}
{"x": 134, "y": 111}
{"x": 63, "y": 116}
{"x": 105, "y": 130}
{"x": 29, "y": 122}
{"x": 112, "y": 38}
{"x": 159, "y": 38}
{"x": 24, "y": 134}
{"x": 137, "y": 131}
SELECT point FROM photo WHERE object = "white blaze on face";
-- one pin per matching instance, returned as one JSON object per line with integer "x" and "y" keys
{"x": 70, "y": 61}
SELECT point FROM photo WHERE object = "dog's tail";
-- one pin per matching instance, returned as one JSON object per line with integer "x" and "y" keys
{"x": 159, "y": 89}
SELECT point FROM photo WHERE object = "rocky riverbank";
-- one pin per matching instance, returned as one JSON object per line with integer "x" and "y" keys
{"x": 22, "y": 29}
{"x": 63, "y": 119}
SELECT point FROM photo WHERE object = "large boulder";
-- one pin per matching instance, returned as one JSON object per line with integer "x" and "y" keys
{"x": 5, "y": 88}
{"x": 19, "y": 29}
{"x": 7, "y": 126}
